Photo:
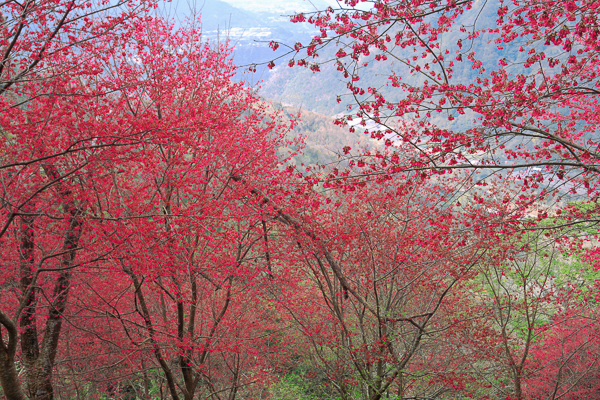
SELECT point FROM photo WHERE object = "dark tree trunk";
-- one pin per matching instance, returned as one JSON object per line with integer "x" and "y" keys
{"x": 9, "y": 377}
{"x": 39, "y": 358}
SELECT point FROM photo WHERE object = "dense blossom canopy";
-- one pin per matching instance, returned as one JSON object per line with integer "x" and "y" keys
{"x": 157, "y": 238}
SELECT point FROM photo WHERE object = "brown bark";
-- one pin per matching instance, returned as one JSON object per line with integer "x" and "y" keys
{"x": 29, "y": 335}
{"x": 9, "y": 377}
{"x": 189, "y": 377}
{"x": 39, "y": 358}
{"x": 145, "y": 313}
{"x": 41, "y": 373}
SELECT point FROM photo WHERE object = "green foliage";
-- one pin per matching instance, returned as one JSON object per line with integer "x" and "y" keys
{"x": 301, "y": 385}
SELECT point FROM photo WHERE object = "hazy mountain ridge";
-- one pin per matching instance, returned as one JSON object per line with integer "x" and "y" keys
{"x": 251, "y": 25}
{"x": 248, "y": 25}
{"x": 282, "y": 7}
{"x": 292, "y": 89}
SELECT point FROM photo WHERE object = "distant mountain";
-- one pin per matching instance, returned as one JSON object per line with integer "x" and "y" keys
{"x": 251, "y": 23}
{"x": 221, "y": 16}
{"x": 282, "y": 6}
{"x": 252, "y": 26}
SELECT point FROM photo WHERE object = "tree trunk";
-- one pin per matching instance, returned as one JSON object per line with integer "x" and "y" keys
{"x": 42, "y": 371}
{"x": 39, "y": 358}
{"x": 30, "y": 349}
{"x": 9, "y": 377}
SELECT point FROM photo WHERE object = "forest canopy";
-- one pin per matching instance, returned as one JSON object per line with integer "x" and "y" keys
{"x": 165, "y": 232}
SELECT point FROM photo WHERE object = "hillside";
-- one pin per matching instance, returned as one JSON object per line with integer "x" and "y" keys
{"x": 324, "y": 140}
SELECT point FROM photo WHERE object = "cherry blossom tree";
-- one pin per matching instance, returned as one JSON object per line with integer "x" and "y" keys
{"x": 128, "y": 172}
{"x": 41, "y": 37}
{"x": 565, "y": 363}
{"x": 493, "y": 88}
{"x": 380, "y": 273}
